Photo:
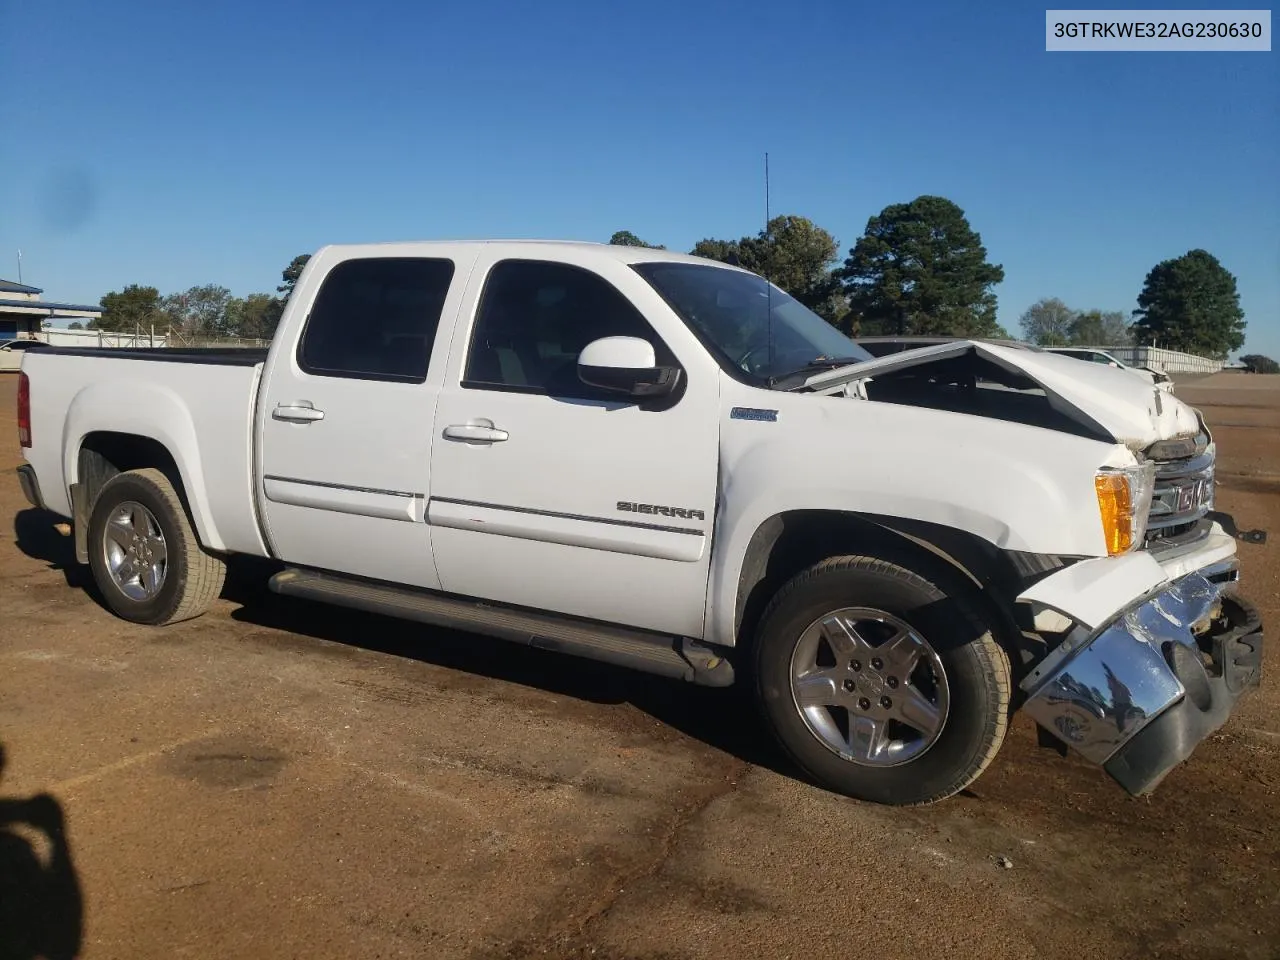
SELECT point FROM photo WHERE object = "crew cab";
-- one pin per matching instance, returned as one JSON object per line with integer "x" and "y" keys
{"x": 669, "y": 464}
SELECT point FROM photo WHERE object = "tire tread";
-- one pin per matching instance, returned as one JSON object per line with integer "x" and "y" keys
{"x": 997, "y": 673}
{"x": 205, "y": 573}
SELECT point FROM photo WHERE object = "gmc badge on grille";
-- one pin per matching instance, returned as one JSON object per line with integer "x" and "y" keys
{"x": 1192, "y": 496}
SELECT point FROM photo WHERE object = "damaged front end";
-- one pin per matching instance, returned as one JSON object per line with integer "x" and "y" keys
{"x": 1020, "y": 386}
{"x": 1138, "y": 693}
{"x": 1144, "y": 644}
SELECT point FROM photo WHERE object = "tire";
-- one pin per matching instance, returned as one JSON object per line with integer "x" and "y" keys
{"x": 956, "y": 696}
{"x": 180, "y": 587}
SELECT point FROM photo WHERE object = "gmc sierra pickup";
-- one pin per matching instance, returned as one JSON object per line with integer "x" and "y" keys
{"x": 670, "y": 464}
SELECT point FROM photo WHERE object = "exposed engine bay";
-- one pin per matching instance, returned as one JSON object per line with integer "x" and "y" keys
{"x": 1034, "y": 388}
{"x": 972, "y": 384}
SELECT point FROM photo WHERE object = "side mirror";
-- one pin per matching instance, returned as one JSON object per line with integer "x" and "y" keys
{"x": 625, "y": 365}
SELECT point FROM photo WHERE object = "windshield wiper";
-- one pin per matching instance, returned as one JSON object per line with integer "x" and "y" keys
{"x": 814, "y": 365}
{"x": 827, "y": 363}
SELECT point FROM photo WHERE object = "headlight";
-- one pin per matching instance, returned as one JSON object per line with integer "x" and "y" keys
{"x": 1124, "y": 499}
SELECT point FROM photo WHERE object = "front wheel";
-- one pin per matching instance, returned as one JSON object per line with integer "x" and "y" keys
{"x": 144, "y": 554}
{"x": 879, "y": 684}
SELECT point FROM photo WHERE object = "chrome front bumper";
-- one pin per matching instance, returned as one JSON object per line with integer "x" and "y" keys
{"x": 1137, "y": 695}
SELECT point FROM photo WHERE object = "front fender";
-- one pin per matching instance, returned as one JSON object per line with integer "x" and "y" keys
{"x": 1017, "y": 487}
{"x": 144, "y": 410}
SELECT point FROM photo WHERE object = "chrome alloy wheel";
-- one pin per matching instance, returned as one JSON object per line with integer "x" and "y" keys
{"x": 869, "y": 687}
{"x": 135, "y": 552}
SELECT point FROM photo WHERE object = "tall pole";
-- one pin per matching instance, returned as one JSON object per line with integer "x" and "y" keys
{"x": 768, "y": 264}
{"x": 19, "y": 266}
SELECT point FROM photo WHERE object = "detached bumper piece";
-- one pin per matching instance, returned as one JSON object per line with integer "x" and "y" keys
{"x": 1140, "y": 694}
{"x": 30, "y": 485}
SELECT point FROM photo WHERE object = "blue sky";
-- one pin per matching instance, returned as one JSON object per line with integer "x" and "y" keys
{"x": 179, "y": 143}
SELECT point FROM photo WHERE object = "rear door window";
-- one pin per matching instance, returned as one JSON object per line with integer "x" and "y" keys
{"x": 376, "y": 319}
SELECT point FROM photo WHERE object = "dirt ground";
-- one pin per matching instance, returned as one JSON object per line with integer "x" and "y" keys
{"x": 278, "y": 779}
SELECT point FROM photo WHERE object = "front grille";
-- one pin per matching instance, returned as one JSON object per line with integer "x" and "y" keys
{"x": 1183, "y": 497}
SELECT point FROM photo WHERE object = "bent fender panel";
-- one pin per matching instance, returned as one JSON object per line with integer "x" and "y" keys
{"x": 1016, "y": 487}
{"x": 1092, "y": 592}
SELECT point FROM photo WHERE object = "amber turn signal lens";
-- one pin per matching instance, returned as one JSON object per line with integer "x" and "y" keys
{"x": 1115, "y": 504}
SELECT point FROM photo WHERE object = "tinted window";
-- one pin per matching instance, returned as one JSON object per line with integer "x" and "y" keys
{"x": 376, "y": 319}
{"x": 535, "y": 318}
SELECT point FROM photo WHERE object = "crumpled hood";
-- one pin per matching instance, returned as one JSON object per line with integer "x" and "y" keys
{"x": 1130, "y": 410}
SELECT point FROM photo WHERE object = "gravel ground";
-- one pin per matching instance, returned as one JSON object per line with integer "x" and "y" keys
{"x": 277, "y": 779}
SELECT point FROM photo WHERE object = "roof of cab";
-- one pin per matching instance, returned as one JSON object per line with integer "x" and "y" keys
{"x": 560, "y": 249}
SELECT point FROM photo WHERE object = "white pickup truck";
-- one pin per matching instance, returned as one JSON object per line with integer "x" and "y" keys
{"x": 670, "y": 464}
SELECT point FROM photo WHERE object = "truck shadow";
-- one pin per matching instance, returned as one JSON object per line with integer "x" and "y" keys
{"x": 41, "y": 906}
{"x": 35, "y": 536}
{"x": 724, "y": 719}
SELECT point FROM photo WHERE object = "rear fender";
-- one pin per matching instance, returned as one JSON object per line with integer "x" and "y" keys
{"x": 144, "y": 410}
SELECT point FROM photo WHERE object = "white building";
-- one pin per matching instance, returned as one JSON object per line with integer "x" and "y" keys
{"x": 23, "y": 313}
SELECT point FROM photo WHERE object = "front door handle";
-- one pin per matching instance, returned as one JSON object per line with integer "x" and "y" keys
{"x": 480, "y": 432}
{"x": 300, "y": 411}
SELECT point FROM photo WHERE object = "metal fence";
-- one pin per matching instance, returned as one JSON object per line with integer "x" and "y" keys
{"x": 178, "y": 340}
{"x": 1166, "y": 361}
{"x": 102, "y": 338}
{"x": 168, "y": 338}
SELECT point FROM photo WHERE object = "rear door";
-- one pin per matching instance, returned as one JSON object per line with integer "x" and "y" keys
{"x": 345, "y": 417}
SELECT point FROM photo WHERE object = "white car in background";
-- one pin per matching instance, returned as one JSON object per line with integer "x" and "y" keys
{"x": 1091, "y": 355}
{"x": 11, "y": 352}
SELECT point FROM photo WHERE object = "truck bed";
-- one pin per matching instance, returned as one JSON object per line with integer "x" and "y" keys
{"x": 198, "y": 404}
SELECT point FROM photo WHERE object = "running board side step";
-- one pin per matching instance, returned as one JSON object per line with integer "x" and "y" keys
{"x": 676, "y": 657}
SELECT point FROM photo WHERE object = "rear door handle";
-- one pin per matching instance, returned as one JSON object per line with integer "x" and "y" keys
{"x": 300, "y": 411}
{"x": 481, "y": 432}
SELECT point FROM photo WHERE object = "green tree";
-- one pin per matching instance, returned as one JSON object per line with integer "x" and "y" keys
{"x": 1190, "y": 303}
{"x": 795, "y": 254}
{"x": 798, "y": 256}
{"x": 134, "y": 307}
{"x": 920, "y": 268}
{"x": 75, "y": 325}
{"x": 1048, "y": 322}
{"x": 200, "y": 311}
{"x": 625, "y": 238}
{"x": 1099, "y": 328}
{"x": 1257, "y": 363}
{"x": 291, "y": 273}
{"x": 255, "y": 317}
{"x": 725, "y": 251}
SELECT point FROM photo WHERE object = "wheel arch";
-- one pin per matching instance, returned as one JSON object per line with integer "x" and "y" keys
{"x": 104, "y": 454}
{"x": 114, "y": 427}
{"x": 789, "y": 542}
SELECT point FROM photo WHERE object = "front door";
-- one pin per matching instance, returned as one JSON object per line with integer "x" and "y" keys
{"x": 345, "y": 419}
{"x": 547, "y": 494}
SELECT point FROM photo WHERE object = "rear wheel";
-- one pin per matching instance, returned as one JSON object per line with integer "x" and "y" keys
{"x": 144, "y": 554}
{"x": 879, "y": 684}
